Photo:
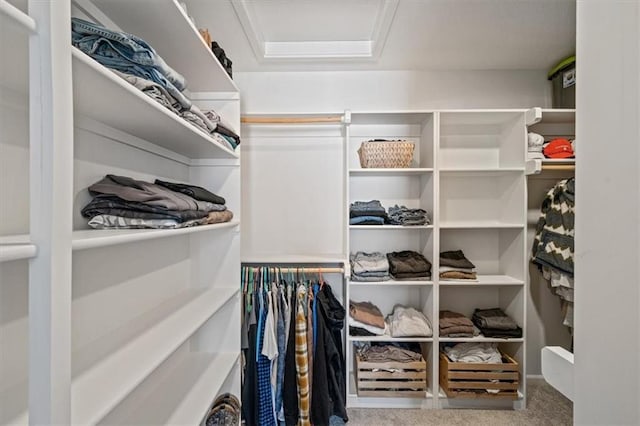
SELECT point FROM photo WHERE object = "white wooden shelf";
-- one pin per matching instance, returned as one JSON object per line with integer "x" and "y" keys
{"x": 481, "y": 224}
{"x": 390, "y": 283}
{"x": 185, "y": 395}
{"x": 108, "y": 369}
{"x": 122, "y": 106}
{"x": 391, "y": 227}
{"x": 16, "y": 247}
{"x": 484, "y": 280}
{"x": 478, "y": 339}
{"x": 11, "y": 15}
{"x": 559, "y": 161}
{"x": 93, "y": 238}
{"x": 296, "y": 258}
{"x": 390, "y": 172}
{"x": 482, "y": 170}
{"x": 165, "y": 26}
{"x": 13, "y": 404}
{"x": 389, "y": 339}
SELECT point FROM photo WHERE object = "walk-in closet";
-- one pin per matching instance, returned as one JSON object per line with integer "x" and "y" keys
{"x": 342, "y": 212}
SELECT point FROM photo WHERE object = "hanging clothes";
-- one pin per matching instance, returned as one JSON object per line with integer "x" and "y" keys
{"x": 553, "y": 246}
{"x": 294, "y": 371}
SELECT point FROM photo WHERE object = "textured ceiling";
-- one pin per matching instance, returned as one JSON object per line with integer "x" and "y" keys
{"x": 423, "y": 34}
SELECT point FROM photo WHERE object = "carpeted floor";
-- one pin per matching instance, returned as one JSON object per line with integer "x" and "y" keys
{"x": 545, "y": 406}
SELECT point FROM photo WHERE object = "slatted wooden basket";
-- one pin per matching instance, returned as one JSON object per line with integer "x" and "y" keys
{"x": 470, "y": 380}
{"x": 409, "y": 381}
{"x": 389, "y": 154}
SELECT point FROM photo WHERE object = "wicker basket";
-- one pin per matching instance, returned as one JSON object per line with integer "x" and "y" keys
{"x": 388, "y": 154}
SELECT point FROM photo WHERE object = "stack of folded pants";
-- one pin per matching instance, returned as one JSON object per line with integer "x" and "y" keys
{"x": 454, "y": 324}
{"x": 455, "y": 266}
{"x": 367, "y": 213}
{"x": 409, "y": 265}
{"x": 401, "y": 215}
{"x": 367, "y": 317}
{"x": 408, "y": 322}
{"x": 134, "y": 60}
{"x": 120, "y": 202}
{"x": 495, "y": 323}
{"x": 369, "y": 267}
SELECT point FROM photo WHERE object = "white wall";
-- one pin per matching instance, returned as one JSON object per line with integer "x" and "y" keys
{"x": 607, "y": 335}
{"x": 295, "y": 92}
{"x": 390, "y": 90}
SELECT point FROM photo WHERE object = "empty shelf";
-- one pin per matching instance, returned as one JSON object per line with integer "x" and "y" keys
{"x": 488, "y": 280}
{"x": 123, "y": 107}
{"x": 106, "y": 370}
{"x": 16, "y": 247}
{"x": 92, "y": 238}
{"x": 390, "y": 172}
{"x": 484, "y": 224}
{"x": 182, "y": 47}
{"x": 184, "y": 396}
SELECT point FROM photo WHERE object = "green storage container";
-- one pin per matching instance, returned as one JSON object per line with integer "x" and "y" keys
{"x": 563, "y": 81}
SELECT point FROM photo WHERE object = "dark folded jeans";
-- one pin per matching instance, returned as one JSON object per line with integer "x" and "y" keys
{"x": 408, "y": 261}
{"x": 492, "y": 332}
{"x": 193, "y": 191}
{"x": 111, "y": 205}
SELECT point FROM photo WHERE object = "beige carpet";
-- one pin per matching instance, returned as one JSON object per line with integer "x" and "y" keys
{"x": 545, "y": 406}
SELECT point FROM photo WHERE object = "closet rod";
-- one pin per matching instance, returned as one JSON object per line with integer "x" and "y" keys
{"x": 292, "y": 120}
{"x": 305, "y": 270}
{"x": 559, "y": 167}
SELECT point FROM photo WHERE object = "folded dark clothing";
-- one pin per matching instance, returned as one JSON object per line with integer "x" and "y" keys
{"x": 410, "y": 275}
{"x": 493, "y": 318}
{"x": 358, "y": 213}
{"x": 408, "y": 262}
{"x": 455, "y": 259}
{"x": 227, "y": 132}
{"x": 115, "y": 206}
{"x": 357, "y": 331}
{"x": 193, "y": 191}
{"x": 493, "y": 332}
{"x": 453, "y": 319}
{"x": 456, "y": 331}
{"x": 458, "y": 275}
{"x": 401, "y": 215}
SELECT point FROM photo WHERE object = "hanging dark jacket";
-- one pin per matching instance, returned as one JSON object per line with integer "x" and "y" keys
{"x": 329, "y": 388}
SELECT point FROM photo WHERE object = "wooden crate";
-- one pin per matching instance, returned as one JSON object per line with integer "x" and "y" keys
{"x": 411, "y": 381}
{"x": 466, "y": 380}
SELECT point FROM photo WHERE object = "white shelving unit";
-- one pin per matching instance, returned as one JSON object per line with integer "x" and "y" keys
{"x": 472, "y": 182}
{"x": 110, "y": 326}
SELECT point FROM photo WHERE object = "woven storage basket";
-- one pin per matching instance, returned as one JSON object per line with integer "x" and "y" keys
{"x": 388, "y": 154}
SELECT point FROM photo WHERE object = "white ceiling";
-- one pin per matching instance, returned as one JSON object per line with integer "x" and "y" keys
{"x": 296, "y": 35}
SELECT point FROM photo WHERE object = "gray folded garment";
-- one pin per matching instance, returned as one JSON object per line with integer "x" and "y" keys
{"x": 362, "y": 262}
{"x": 373, "y": 278}
{"x": 371, "y": 206}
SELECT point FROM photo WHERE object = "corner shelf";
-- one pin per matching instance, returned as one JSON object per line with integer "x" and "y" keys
{"x": 93, "y": 238}
{"x": 109, "y": 368}
{"x": 184, "y": 396}
{"x": 126, "y": 108}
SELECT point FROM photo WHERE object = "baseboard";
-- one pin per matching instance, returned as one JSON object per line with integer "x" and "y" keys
{"x": 535, "y": 376}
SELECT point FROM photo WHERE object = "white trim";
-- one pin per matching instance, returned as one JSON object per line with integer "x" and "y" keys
{"x": 382, "y": 27}
{"x": 317, "y": 49}
{"x": 255, "y": 37}
{"x": 17, "y": 16}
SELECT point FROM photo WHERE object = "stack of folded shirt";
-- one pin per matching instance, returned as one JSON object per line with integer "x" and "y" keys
{"x": 135, "y": 61}
{"x": 369, "y": 267}
{"x": 122, "y": 202}
{"x": 453, "y": 324}
{"x": 409, "y": 265}
{"x": 408, "y": 322}
{"x": 365, "y": 319}
{"x": 454, "y": 266}
{"x": 367, "y": 213}
{"x": 401, "y": 215}
{"x": 387, "y": 352}
{"x": 486, "y": 353}
{"x": 495, "y": 323}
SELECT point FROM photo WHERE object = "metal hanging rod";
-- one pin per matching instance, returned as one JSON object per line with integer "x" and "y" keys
{"x": 559, "y": 167}
{"x": 292, "y": 120}
{"x": 305, "y": 270}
